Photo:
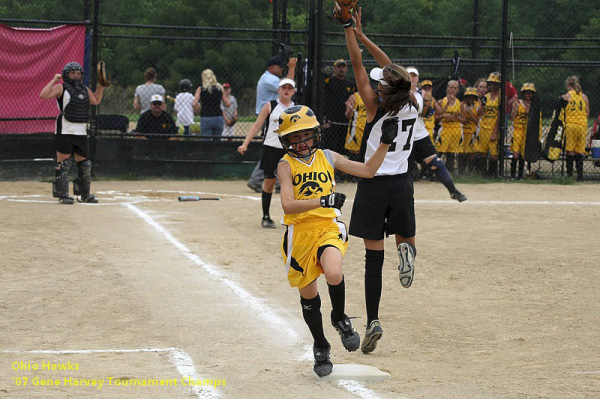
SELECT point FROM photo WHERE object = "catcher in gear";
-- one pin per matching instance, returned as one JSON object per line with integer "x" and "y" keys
{"x": 73, "y": 100}
{"x": 315, "y": 241}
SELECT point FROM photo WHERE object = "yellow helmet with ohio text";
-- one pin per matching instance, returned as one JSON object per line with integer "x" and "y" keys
{"x": 296, "y": 119}
{"x": 528, "y": 86}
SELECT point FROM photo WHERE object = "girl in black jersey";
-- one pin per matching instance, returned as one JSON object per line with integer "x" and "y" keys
{"x": 384, "y": 204}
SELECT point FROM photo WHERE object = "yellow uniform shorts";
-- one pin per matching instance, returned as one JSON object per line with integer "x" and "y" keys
{"x": 517, "y": 144}
{"x": 485, "y": 143}
{"x": 301, "y": 243}
{"x": 449, "y": 140}
{"x": 575, "y": 136}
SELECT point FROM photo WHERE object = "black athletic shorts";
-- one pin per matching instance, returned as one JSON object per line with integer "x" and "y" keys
{"x": 71, "y": 143}
{"x": 270, "y": 159}
{"x": 423, "y": 149}
{"x": 384, "y": 205}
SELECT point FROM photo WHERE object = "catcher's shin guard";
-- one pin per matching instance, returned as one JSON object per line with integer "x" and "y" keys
{"x": 81, "y": 185}
{"x": 60, "y": 185}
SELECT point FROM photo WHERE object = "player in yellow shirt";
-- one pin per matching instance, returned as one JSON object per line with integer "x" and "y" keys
{"x": 429, "y": 119}
{"x": 520, "y": 115}
{"x": 577, "y": 113}
{"x": 449, "y": 114}
{"x": 315, "y": 241}
{"x": 487, "y": 137}
{"x": 467, "y": 148}
{"x": 356, "y": 113}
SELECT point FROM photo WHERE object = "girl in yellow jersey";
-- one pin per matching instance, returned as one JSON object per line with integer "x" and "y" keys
{"x": 576, "y": 119}
{"x": 315, "y": 241}
{"x": 487, "y": 137}
{"x": 450, "y": 115}
{"x": 356, "y": 113}
{"x": 520, "y": 115}
{"x": 429, "y": 119}
{"x": 467, "y": 147}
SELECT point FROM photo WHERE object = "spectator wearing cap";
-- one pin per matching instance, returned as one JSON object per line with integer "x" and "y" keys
{"x": 268, "y": 84}
{"x": 267, "y": 90}
{"x": 268, "y": 122}
{"x": 144, "y": 92}
{"x": 230, "y": 113}
{"x": 156, "y": 120}
{"x": 337, "y": 90}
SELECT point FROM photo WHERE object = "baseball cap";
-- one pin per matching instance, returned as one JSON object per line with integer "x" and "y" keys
{"x": 426, "y": 82}
{"x": 341, "y": 61}
{"x": 471, "y": 91}
{"x": 226, "y": 85}
{"x": 287, "y": 81}
{"x": 275, "y": 61}
{"x": 157, "y": 97}
{"x": 412, "y": 70}
{"x": 377, "y": 74}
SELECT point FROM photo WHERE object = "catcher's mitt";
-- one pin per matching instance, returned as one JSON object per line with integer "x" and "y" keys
{"x": 343, "y": 10}
{"x": 103, "y": 79}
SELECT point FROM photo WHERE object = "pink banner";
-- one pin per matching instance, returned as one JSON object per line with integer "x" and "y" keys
{"x": 29, "y": 59}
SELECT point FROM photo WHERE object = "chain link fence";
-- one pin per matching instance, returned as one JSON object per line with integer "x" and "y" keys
{"x": 458, "y": 40}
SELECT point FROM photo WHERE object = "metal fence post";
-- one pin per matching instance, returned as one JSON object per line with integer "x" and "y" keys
{"x": 503, "y": 106}
{"x": 94, "y": 80}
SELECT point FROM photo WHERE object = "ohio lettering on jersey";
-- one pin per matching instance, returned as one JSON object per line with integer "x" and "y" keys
{"x": 311, "y": 183}
{"x": 311, "y": 178}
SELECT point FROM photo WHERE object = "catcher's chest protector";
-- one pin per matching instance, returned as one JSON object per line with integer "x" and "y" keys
{"x": 78, "y": 108}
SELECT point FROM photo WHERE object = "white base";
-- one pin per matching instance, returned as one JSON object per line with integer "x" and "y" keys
{"x": 356, "y": 372}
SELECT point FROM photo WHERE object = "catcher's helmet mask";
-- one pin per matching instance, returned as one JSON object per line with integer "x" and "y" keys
{"x": 70, "y": 67}
{"x": 295, "y": 120}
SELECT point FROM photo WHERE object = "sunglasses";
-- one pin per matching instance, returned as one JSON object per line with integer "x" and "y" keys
{"x": 156, "y": 103}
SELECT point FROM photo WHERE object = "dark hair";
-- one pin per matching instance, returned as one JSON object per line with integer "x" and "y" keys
{"x": 396, "y": 95}
{"x": 150, "y": 74}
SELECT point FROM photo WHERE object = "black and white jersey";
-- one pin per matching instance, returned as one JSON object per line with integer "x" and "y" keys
{"x": 396, "y": 159}
{"x": 272, "y": 138}
{"x": 420, "y": 129}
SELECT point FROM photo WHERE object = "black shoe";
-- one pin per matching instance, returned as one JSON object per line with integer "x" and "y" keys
{"x": 323, "y": 365}
{"x": 257, "y": 187}
{"x": 90, "y": 199}
{"x": 580, "y": 178}
{"x": 349, "y": 336}
{"x": 66, "y": 200}
{"x": 267, "y": 223}
{"x": 457, "y": 195}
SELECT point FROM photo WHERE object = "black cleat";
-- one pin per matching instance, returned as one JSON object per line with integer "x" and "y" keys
{"x": 457, "y": 195}
{"x": 349, "y": 336}
{"x": 256, "y": 187}
{"x": 323, "y": 365}
{"x": 66, "y": 200}
{"x": 406, "y": 268}
{"x": 267, "y": 223}
{"x": 90, "y": 199}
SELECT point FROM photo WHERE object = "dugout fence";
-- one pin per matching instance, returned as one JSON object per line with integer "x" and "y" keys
{"x": 179, "y": 46}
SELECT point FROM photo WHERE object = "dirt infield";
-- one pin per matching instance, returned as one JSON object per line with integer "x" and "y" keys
{"x": 142, "y": 290}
